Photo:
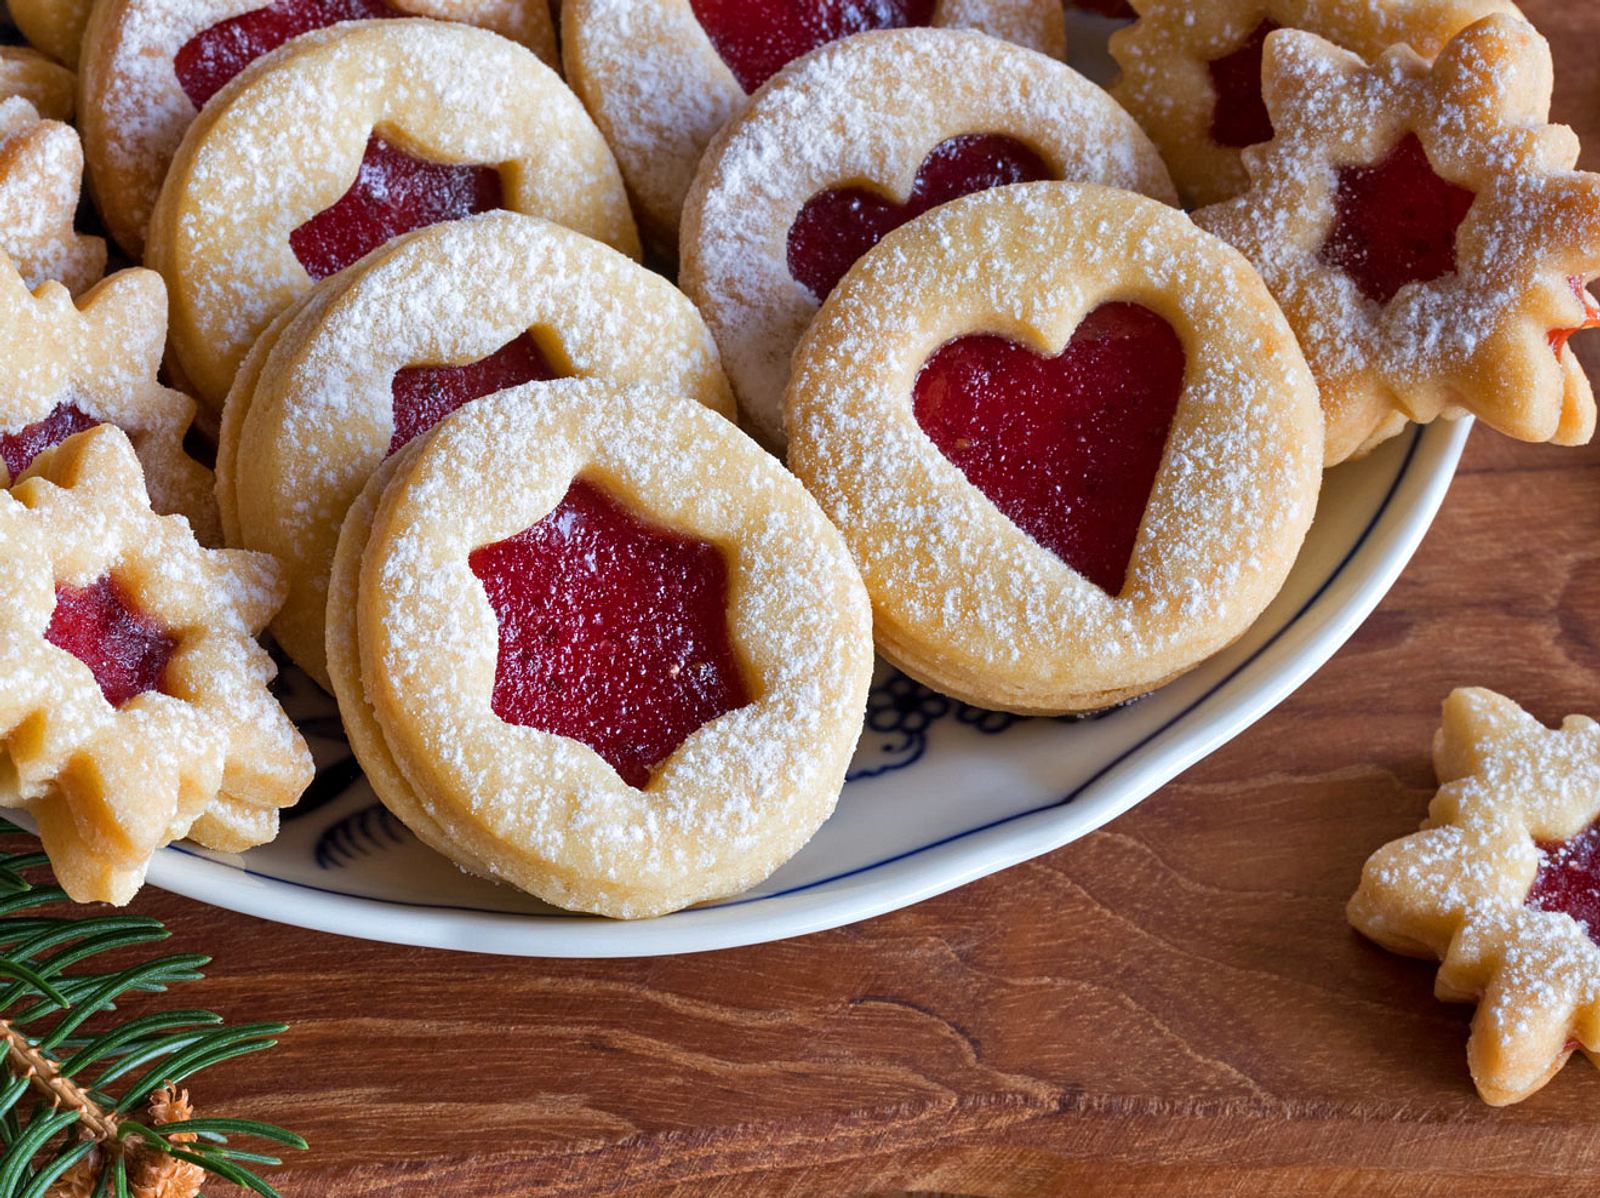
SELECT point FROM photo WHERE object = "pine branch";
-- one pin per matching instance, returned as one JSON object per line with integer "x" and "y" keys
{"x": 107, "y": 1117}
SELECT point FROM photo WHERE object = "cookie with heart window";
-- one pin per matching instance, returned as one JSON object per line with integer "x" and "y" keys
{"x": 42, "y": 83}
{"x": 41, "y": 173}
{"x": 377, "y": 355}
{"x": 662, "y": 76}
{"x": 1502, "y": 887}
{"x": 1191, "y": 73}
{"x": 628, "y": 676}
{"x": 149, "y": 66}
{"x": 1069, "y": 438}
{"x": 782, "y": 205}
{"x": 134, "y": 708}
{"x": 344, "y": 138}
{"x": 1426, "y": 233}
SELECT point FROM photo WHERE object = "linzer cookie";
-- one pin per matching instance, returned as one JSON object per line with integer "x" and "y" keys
{"x": 1068, "y": 437}
{"x": 332, "y": 144}
{"x": 41, "y": 173}
{"x": 595, "y": 642}
{"x": 149, "y": 66}
{"x": 377, "y": 355}
{"x": 1426, "y": 234}
{"x": 662, "y": 76}
{"x": 783, "y": 204}
{"x": 1502, "y": 886}
{"x": 133, "y": 697}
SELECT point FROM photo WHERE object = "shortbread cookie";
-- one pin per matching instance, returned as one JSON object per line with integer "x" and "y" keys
{"x": 1426, "y": 234}
{"x": 1068, "y": 437}
{"x": 1502, "y": 886}
{"x": 42, "y": 83}
{"x": 782, "y": 204}
{"x": 150, "y": 65}
{"x": 41, "y": 172}
{"x": 345, "y": 137}
{"x": 54, "y": 27}
{"x": 133, "y": 697}
{"x": 1191, "y": 73}
{"x": 662, "y": 76}
{"x": 389, "y": 348}
{"x": 67, "y": 368}
{"x": 628, "y": 676}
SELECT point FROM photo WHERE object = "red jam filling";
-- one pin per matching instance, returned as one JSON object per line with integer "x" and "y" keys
{"x": 613, "y": 631}
{"x": 1591, "y": 316}
{"x": 1067, "y": 447}
{"x": 756, "y": 38}
{"x": 125, "y": 649}
{"x": 215, "y": 55}
{"x": 1569, "y": 880}
{"x": 393, "y": 193}
{"x": 1240, "y": 117}
{"x": 836, "y": 227}
{"x": 425, "y": 395}
{"x": 1396, "y": 222}
{"x": 18, "y": 449}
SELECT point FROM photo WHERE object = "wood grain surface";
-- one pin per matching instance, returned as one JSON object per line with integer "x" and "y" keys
{"x": 1174, "y": 1005}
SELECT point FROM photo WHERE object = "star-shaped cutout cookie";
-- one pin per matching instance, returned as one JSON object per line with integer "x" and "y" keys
{"x": 134, "y": 707}
{"x": 41, "y": 174}
{"x": 1502, "y": 886}
{"x": 42, "y": 83}
{"x": 1481, "y": 329}
{"x": 69, "y": 365}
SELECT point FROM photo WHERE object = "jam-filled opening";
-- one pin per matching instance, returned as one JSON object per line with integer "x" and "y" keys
{"x": 1395, "y": 222}
{"x": 1239, "y": 116}
{"x": 756, "y": 38}
{"x": 1067, "y": 447}
{"x": 126, "y": 650}
{"x": 1569, "y": 879}
{"x": 393, "y": 193}
{"x": 614, "y": 631}
{"x": 209, "y": 59}
{"x": 838, "y": 226}
{"x": 424, "y": 395}
{"x": 1591, "y": 316}
{"x": 18, "y": 449}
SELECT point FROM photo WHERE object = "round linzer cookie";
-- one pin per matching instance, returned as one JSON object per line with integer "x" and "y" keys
{"x": 1426, "y": 234}
{"x": 42, "y": 83}
{"x": 379, "y": 354}
{"x": 783, "y": 204}
{"x": 662, "y": 76}
{"x": 1502, "y": 887}
{"x": 627, "y": 676}
{"x": 1191, "y": 73}
{"x": 1068, "y": 437}
{"x": 334, "y": 143}
{"x": 149, "y": 66}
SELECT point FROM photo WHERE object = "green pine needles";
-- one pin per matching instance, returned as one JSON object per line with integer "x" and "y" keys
{"x": 89, "y": 1108}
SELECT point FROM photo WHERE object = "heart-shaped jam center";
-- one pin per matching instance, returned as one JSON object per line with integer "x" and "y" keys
{"x": 1067, "y": 447}
{"x": 393, "y": 193}
{"x": 836, "y": 227}
{"x": 613, "y": 631}
{"x": 18, "y": 449}
{"x": 756, "y": 38}
{"x": 215, "y": 55}
{"x": 1240, "y": 117}
{"x": 1591, "y": 316}
{"x": 1569, "y": 880}
{"x": 1395, "y": 223}
{"x": 425, "y": 395}
{"x": 125, "y": 650}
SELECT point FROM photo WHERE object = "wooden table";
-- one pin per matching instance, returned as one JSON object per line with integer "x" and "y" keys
{"x": 1173, "y": 1005}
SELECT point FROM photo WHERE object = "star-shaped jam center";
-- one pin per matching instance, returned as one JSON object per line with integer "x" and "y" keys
{"x": 1569, "y": 879}
{"x": 100, "y": 625}
{"x": 613, "y": 631}
{"x": 18, "y": 449}
{"x": 424, "y": 395}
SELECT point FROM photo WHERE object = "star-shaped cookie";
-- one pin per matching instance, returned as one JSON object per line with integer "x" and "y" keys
{"x": 134, "y": 707}
{"x": 1426, "y": 234}
{"x": 1502, "y": 886}
{"x": 41, "y": 174}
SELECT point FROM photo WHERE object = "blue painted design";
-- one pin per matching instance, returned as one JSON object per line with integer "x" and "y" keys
{"x": 359, "y": 834}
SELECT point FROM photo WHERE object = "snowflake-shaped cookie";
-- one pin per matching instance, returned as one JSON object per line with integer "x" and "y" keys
{"x": 1502, "y": 885}
{"x": 1191, "y": 73}
{"x": 1426, "y": 234}
{"x": 133, "y": 696}
{"x": 41, "y": 172}
{"x": 70, "y": 366}
{"x": 42, "y": 83}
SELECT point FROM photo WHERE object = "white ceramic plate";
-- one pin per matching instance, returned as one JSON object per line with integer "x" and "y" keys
{"x": 940, "y": 793}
